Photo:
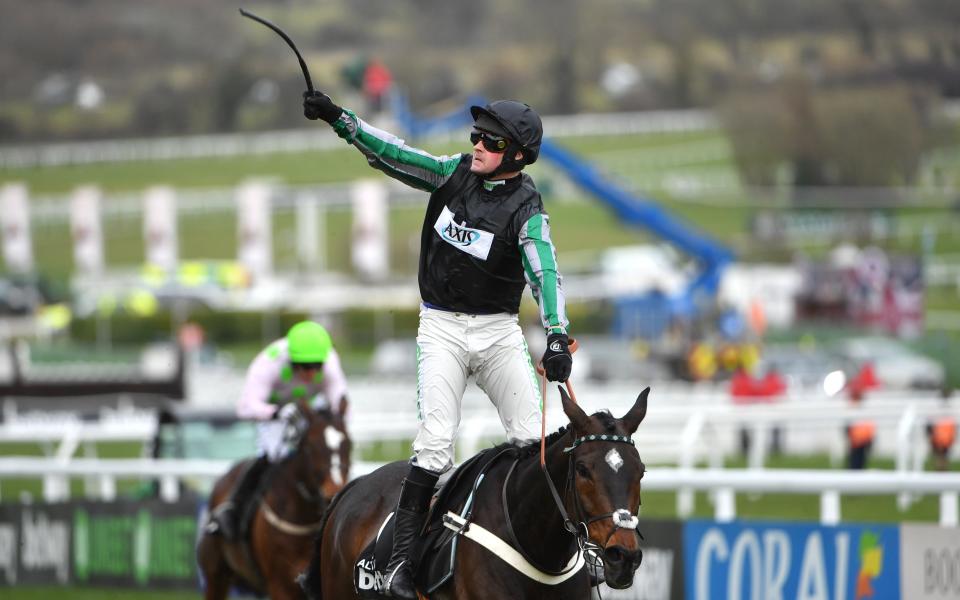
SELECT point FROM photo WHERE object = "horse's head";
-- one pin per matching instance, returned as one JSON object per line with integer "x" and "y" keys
{"x": 318, "y": 441}
{"x": 607, "y": 471}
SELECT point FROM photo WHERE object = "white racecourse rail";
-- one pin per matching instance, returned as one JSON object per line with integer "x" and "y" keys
{"x": 725, "y": 483}
{"x": 686, "y": 426}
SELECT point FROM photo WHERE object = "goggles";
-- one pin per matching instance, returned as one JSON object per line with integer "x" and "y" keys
{"x": 491, "y": 143}
{"x": 306, "y": 366}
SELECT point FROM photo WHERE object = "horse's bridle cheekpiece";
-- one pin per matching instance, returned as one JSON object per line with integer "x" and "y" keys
{"x": 622, "y": 518}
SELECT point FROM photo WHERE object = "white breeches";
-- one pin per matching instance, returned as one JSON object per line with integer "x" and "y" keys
{"x": 450, "y": 348}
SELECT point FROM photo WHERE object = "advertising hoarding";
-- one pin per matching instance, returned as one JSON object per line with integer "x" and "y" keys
{"x": 753, "y": 560}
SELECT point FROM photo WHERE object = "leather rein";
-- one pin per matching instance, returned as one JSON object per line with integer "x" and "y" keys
{"x": 622, "y": 518}
{"x": 306, "y": 494}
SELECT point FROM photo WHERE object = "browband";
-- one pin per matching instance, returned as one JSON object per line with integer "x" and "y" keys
{"x": 623, "y": 439}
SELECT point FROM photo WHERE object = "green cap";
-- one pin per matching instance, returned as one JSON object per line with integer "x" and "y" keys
{"x": 308, "y": 342}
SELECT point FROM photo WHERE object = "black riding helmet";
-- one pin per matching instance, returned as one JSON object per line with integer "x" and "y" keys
{"x": 515, "y": 121}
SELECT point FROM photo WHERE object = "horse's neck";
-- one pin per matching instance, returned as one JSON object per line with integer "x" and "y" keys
{"x": 289, "y": 486}
{"x": 536, "y": 520}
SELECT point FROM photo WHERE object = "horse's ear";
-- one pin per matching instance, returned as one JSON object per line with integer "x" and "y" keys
{"x": 577, "y": 417}
{"x": 635, "y": 415}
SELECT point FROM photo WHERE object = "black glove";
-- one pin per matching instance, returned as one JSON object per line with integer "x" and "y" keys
{"x": 557, "y": 360}
{"x": 317, "y": 105}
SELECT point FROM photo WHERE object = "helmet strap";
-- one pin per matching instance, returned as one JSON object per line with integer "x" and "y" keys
{"x": 509, "y": 164}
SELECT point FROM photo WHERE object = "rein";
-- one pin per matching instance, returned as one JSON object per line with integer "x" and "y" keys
{"x": 302, "y": 490}
{"x": 622, "y": 518}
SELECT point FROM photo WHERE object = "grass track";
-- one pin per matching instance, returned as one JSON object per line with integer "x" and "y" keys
{"x": 82, "y": 593}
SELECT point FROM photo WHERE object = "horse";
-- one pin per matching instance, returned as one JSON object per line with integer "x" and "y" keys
{"x": 595, "y": 463}
{"x": 288, "y": 515}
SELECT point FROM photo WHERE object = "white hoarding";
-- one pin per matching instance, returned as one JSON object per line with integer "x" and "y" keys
{"x": 85, "y": 228}
{"x": 15, "y": 223}
{"x": 254, "y": 229}
{"x": 160, "y": 227}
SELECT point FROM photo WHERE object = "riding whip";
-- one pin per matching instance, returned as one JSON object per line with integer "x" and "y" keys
{"x": 286, "y": 38}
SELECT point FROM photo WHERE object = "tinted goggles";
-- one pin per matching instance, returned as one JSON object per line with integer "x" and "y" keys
{"x": 491, "y": 143}
{"x": 306, "y": 366}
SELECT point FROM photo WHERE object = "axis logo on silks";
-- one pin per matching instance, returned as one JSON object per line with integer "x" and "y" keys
{"x": 474, "y": 242}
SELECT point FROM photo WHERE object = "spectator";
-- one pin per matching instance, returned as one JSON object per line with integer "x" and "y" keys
{"x": 942, "y": 433}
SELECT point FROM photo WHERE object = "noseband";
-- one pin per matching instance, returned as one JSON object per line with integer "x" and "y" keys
{"x": 621, "y": 517}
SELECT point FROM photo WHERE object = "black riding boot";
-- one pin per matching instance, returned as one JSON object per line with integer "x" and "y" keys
{"x": 408, "y": 521}
{"x": 227, "y": 515}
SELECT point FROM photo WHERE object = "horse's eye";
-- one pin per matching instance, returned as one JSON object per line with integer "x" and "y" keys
{"x": 583, "y": 471}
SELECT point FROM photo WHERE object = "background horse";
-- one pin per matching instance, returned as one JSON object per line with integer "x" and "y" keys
{"x": 286, "y": 520}
{"x": 598, "y": 481}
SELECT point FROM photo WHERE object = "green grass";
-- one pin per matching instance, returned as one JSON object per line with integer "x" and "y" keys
{"x": 579, "y": 222}
{"x": 11, "y": 489}
{"x": 655, "y": 504}
{"x": 788, "y": 507}
{"x": 803, "y": 507}
{"x": 84, "y": 593}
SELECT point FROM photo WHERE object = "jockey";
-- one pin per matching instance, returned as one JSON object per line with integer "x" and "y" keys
{"x": 485, "y": 236}
{"x": 304, "y": 365}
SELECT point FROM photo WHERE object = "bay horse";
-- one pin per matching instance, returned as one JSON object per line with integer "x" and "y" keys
{"x": 592, "y": 461}
{"x": 288, "y": 516}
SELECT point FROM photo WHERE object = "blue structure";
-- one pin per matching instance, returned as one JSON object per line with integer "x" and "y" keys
{"x": 645, "y": 316}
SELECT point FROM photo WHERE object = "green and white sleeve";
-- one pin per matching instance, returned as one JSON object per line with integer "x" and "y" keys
{"x": 390, "y": 154}
{"x": 540, "y": 268}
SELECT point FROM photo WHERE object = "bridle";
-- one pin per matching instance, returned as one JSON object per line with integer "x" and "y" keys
{"x": 578, "y": 527}
{"x": 303, "y": 490}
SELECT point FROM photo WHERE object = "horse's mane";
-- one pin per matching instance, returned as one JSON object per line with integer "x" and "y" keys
{"x": 606, "y": 419}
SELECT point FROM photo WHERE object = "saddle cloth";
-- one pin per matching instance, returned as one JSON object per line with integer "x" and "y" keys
{"x": 432, "y": 554}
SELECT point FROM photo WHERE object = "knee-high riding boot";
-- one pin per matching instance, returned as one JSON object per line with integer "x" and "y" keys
{"x": 408, "y": 521}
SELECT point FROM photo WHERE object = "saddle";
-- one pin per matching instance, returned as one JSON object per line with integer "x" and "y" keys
{"x": 433, "y": 554}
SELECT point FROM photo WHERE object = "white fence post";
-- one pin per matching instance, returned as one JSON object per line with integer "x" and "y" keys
{"x": 108, "y": 488}
{"x": 309, "y": 238}
{"x": 169, "y": 488}
{"x": 904, "y": 449}
{"x": 948, "y": 509}
{"x": 830, "y": 507}
{"x": 57, "y": 487}
{"x": 688, "y": 455}
{"x": 726, "y": 507}
{"x": 758, "y": 443}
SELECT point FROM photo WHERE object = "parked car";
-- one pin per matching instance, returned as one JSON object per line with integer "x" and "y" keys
{"x": 895, "y": 364}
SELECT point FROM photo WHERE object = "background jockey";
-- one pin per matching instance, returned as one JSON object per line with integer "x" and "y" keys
{"x": 303, "y": 364}
{"x": 485, "y": 236}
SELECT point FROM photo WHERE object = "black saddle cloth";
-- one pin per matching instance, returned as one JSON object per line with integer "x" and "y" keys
{"x": 432, "y": 555}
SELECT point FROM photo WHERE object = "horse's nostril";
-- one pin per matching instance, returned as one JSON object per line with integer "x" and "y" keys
{"x": 615, "y": 554}
{"x": 620, "y": 555}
